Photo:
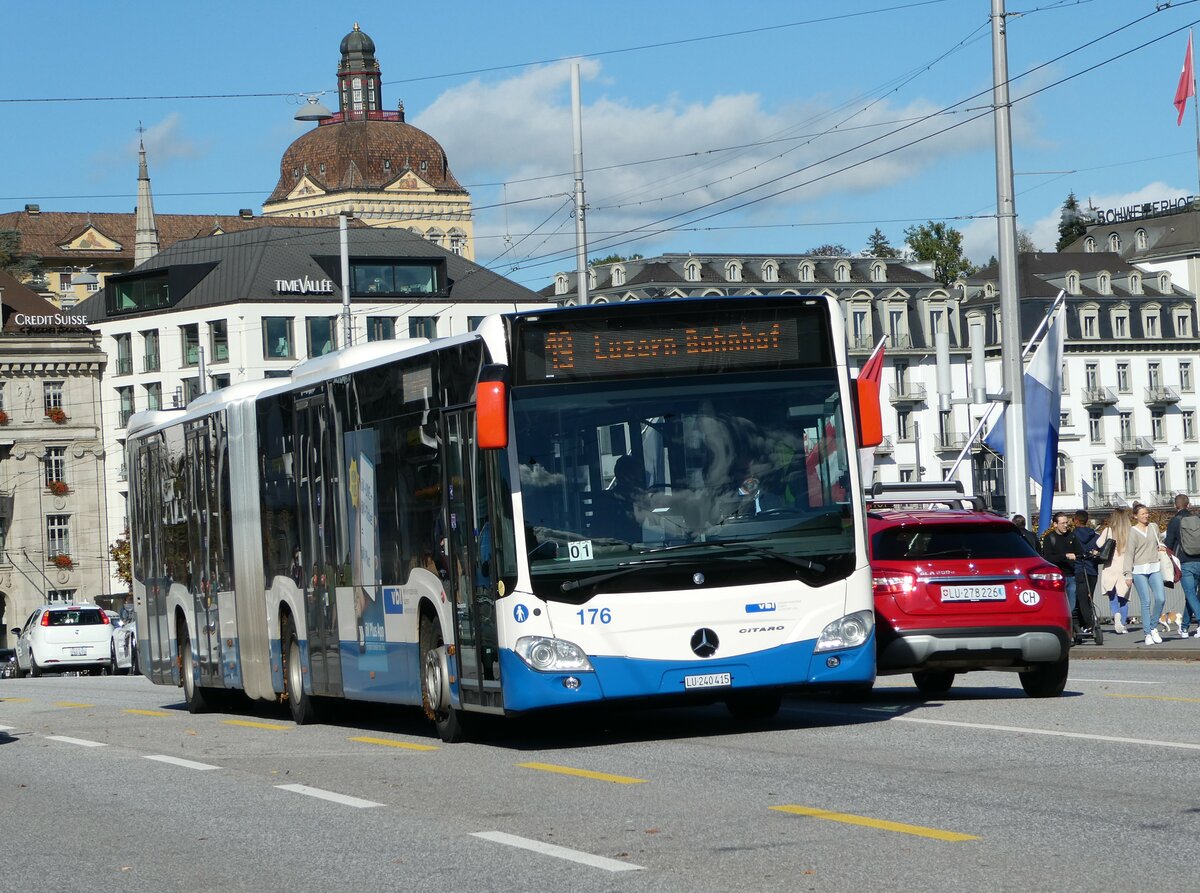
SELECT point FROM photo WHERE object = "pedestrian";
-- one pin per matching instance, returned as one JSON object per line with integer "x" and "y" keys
{"x": 1183, "y": 538}
{"x": 1060, "y": 546}
{"x": 1113, "y": 581}
{"x": 1142, "y": 566}
{"x": 1085, "y": 567}
{"x": 1030, "y": 536}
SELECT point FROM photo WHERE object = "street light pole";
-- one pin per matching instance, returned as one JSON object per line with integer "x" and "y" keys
{"x": 1015, "y": 474}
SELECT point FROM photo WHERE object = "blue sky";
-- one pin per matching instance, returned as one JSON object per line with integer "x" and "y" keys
{"x": 800, "y": 112}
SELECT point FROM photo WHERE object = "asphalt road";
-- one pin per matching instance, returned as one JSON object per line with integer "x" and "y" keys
{"x": 110, "y": 784}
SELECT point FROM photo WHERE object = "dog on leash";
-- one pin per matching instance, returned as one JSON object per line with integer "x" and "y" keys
{"x": 1170, "y": 621}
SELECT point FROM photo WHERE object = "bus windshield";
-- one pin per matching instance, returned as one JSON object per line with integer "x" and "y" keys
{"x": 629, "y": 484}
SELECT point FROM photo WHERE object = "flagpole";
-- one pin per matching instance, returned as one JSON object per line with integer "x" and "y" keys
{"x": 1195, "y": 106}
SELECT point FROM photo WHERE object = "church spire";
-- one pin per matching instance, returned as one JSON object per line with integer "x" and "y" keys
{"x": 145, "y": 244}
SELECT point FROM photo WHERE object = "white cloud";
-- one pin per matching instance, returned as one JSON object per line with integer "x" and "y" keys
{"x": 525, "y": 121}
{"x": 165, "y": 143}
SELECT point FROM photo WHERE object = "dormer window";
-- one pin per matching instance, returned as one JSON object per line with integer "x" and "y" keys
{"x": 770, "y": 271}
{"x": 841, "y": 271}
{"x": 561, "y": 284}
{"x": 691, "y": 271}
{"x": 1114, "y": 242}
{"x": 806, "y": 271}
{"x": 1183, "y": 322}
{"x": 592, "y": 278}
{"x": 1104, "y": 284}
{"x": 1135, "y": 283}
{"x": 733, "y": 271}
{"x": 989, "y": 290}
{"x": 1072, "y": 283}
{"x": 387, "y": 164}
{"x": 878, "y": 272}
{"x": 1140, "y": 240}
{"x": 1151, "y": 316}
{"x": 1089, "y": 322}
{"x": 1089, "y": 245}
{"x": 1120, "y": 322}
{"x": 1164, "y": 282}
{"x": 618, "y": 274}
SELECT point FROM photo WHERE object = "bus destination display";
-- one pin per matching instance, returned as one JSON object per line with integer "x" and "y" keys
{"x": 583, "y": 349}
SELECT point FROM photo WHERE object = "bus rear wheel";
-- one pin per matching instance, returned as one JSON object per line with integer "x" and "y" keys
{"x": 192, "y": 693}
{"x": 299, "y": 702}
{"x": 452, "y": 725}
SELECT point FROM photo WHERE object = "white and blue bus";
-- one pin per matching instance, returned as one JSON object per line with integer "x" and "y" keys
{"x": 648, "y": 500}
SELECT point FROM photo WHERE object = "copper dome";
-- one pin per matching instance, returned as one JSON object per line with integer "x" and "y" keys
{"x": 357, "y": 155}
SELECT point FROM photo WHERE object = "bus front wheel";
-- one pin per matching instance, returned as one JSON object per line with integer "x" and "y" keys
{"x": 452, "y": 725}
{"x": 192, "y": 693}
{"x": 298, "y": 701}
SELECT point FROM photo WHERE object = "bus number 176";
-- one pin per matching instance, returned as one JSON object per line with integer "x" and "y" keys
{"x": 592, "y": 616}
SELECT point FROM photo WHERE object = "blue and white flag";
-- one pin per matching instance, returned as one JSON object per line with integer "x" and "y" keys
{"x": 1043, "y": 401}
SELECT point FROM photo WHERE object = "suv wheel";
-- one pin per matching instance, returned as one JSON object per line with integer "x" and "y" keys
{"x": 933, "y": 683}
{"x": 1046, "y": 680}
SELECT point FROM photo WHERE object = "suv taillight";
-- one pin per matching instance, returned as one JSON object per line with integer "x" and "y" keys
{"x": 1048, "y": 578}
{"x": 892, "y": 582}
{"x": 104, "y": 618}
{"x": 46, "y": 618}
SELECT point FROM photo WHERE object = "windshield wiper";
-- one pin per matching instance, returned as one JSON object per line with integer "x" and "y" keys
{"x": 727, "y": 548}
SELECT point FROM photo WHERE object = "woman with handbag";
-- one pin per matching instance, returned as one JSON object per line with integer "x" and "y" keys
{"x": 1143, "y": 568}
{"x": 1110, "y": 548}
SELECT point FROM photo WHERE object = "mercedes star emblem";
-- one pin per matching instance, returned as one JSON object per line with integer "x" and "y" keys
{"x": 705, "y": 642}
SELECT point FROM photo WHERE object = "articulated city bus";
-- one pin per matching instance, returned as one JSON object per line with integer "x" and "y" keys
{"x": 648, "y": 500}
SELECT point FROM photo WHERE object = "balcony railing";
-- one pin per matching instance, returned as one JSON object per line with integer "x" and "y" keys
{"x": 1111, "y": 498}
{"x": 1133, "y": 446}
{"x": 151, "y": 363}
{"x": 124, "y": 365}
{"x": 861, "y": 342}
{"x": 1162, "y": 497}
{"x": 1161, "y": 396}
{"x": 908, "y": 393}
{"x": 884, "y": 447}
{"x": 900, "y": 341}
{"x": 950, "y": 442}
{"x": 1098, "y": 396}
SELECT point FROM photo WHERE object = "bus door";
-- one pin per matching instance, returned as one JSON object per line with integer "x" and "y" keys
{"x": 318, "y": 479}
{"x": 203, "y": 577}
{"x": 469, "y": 539}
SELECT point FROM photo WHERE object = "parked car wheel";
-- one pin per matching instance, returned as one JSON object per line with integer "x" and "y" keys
{"x": 1046, "y": 680}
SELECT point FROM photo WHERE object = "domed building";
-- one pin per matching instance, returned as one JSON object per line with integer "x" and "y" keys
{"x": 373, "y": 164}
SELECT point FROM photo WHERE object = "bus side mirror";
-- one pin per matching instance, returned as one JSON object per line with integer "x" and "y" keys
{"x": 868, "y": 417}
{"x": 491, "y": 409}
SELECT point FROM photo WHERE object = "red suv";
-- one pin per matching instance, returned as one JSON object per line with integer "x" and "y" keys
{"x": 960, "y": 589}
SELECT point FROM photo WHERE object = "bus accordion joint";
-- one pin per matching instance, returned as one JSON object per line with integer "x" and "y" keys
{"x": 868, "y": 416}
{"x": 491, "y": 408}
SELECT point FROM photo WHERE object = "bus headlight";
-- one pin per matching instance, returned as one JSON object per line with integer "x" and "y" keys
{"x": 552, "y": 655}
{"x": 847, "y": 632}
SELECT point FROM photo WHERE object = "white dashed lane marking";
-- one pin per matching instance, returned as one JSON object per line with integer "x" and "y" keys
{"x": 558, "y": 852}
{"x": 328, "y": 795}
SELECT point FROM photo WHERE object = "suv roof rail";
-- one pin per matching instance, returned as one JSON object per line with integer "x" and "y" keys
{"x": 922, "y": 492}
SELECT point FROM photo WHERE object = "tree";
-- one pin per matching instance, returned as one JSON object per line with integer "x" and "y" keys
{"x": 21, "y": 266}
{"x": 1070, "y": 225}
{"x": 612, "y": 259}
{"x": 879, "y": 246}
{"x": 1025, "y": 242}
{"x": 120, "y": 553}
{"x": 942, "y": 244}
{"x": 829, "y": 251}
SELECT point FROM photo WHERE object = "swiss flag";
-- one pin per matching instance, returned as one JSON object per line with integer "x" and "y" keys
{"x": 1187, "y": 84}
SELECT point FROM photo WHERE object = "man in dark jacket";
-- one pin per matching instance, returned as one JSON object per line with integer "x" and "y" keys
{"x": 1086, "y": 568}
{"x": 1189, "y": 564}
{"x": 1061, "y": 547}
{"x": 1030, "y": 536}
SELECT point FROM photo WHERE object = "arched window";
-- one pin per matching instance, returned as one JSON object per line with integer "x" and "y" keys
{"x": 1114, "y": 242}
{"x": 878, "y": 271}
{"x": 618, "y": 274}
{"x": 1072, "y": 283}
{"x": 1164, "y": 282}
{"x": 561, "y": 284}
{"x": 1104, "y": 283}
{"x": 989, "y": 290}
{"x": 591, "y": 277}
{"x": 733, "y": 271}
{"x": 1135, "y": 283}
{"x": 806, "y": 271}
{"x": 691, "y": 271}
{"x": 1089, "y": 245}
{"x": 841, "y": 271}
{"x": 770, "y": 271}
{"x": 1140, "y": 241}
{"x": 1063, "y": 474}
{"x": 434, "y": 235}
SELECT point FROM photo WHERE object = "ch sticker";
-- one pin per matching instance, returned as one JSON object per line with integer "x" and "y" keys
{"x": 1030, "y": 597}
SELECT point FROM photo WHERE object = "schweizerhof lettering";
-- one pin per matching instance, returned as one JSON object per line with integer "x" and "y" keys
{"x": 304, "y": 286}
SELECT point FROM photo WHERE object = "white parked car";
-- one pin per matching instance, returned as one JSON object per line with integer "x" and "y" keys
{"x": 124, "y": 642}
{"x": 60, "y": 638}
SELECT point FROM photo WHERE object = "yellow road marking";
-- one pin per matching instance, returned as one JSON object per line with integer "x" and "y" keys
{"x": 582, "y": 773}
{"x": 404, "y": 745}
{"x": 71, "y": 704}
{"x": 274, "y": 727}
{"x": 147, "y": 712}
{"x": 16, "y": 700}
{"x": 1154, "y": 698}
{"x": 882, "y": 824}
